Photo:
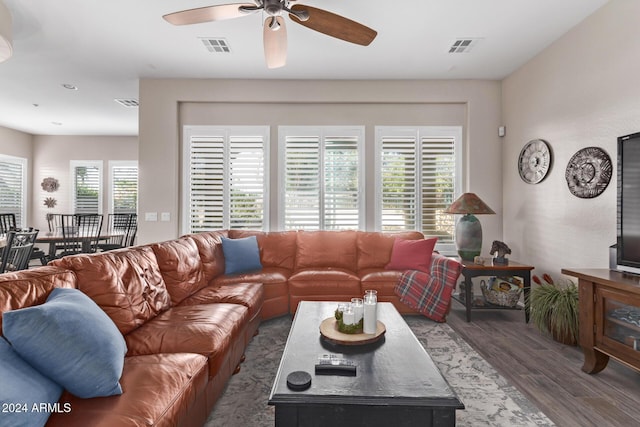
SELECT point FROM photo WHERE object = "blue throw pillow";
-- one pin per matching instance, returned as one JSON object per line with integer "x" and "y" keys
{"x": 241, "y": 255}
{"x": 70, "y": 340}
{"x": 24, "y": 391}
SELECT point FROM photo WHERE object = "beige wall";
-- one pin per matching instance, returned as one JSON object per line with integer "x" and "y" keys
{"x": 167, "y": 105}
{"x": 19, "y": 144}
{"x": 16, "y": 143}
{"x": 584, "y": 90}
{"x": 52, "y": 156}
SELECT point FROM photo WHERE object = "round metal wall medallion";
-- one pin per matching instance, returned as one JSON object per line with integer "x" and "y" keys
{"x": 589, "y": 172}
{"x": 534, "y": 161}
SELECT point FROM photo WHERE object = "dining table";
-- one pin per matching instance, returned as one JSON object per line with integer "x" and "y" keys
{"x": 55, "y": 238}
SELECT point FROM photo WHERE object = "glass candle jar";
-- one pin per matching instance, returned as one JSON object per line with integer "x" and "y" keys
{"x": 370, "y": 322}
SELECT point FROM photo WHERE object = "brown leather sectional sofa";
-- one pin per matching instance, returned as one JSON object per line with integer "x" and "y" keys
{"x": 186, "y": 324}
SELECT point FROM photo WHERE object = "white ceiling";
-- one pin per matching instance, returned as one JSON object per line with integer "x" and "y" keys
{"x": 105, "y": 47}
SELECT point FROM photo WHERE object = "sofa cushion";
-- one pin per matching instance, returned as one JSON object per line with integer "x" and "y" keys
{"x": 336, "y": 249}
{"x": 241, "y": 255}
{"x": 159, "y": 390}
{"x": 275, "y": 288}
{"x": 125, "y": 283}
{"x": 70, "y": 340}
{"x": 412, "y": 254}
{"x": 250, "y": 295}
{"x": 277, "y": 248}
{"x": 209, "y": 245}
{"x": 32, "y": 287}
{"x": 181, "y": 267}
{"x": 208, "y": 329}
{"x": 374, "y": 249}
{"x": 23, "y": 388}
{"x": 327, "y": 281}
{"x": 381, "y": 280}
{"x": 266, "y": 275}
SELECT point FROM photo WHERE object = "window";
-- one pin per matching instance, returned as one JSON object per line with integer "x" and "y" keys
{"x": 123, "y": 186}
{"x": 87, "y": 186}
{"x": 227, "y": 185}
{"x": 321, "y": 177}
{"x": 417, "y": 178}
{"x": 13, "y": 187}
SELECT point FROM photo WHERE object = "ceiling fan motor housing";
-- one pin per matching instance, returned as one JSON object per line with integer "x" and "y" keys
{"x": 274, "y": 7}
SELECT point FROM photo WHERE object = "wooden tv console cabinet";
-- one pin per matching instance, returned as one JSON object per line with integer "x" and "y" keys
{"x": 609, "y": 317}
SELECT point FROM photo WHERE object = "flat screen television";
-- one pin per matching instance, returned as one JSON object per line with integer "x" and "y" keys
{"x": 628, "y": 227}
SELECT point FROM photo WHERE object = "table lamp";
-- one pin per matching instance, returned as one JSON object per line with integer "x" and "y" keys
{"x": 468, "y": 229}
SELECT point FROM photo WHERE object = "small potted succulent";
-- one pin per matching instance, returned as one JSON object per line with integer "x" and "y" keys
{"x": 554, "y": 308}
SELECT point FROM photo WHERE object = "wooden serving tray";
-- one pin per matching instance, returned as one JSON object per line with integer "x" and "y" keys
{"x": 329, "y": 331}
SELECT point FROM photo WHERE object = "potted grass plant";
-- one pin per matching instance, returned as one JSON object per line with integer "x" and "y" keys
{"x": 554, "y": 308}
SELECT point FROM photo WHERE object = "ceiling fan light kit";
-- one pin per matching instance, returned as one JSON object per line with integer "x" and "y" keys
{"x": 6, "y": 50}
{"x": 274, "y": 32}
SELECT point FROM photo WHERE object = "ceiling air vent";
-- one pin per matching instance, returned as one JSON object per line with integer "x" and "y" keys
{"x": 463, "y": 45}
{"x": 216, "y": 45}
{"x": 127, "y": 102}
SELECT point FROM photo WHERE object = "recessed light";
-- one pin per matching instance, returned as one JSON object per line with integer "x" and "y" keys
{"x": 69, "y": 86}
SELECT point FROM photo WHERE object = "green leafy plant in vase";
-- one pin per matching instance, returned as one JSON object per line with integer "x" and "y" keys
{"x": 554, "y": 308}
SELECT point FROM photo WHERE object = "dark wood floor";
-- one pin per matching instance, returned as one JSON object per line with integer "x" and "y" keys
{"x": 549, "y": 373}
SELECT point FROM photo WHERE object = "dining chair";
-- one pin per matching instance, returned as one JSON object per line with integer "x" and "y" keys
{"x": 118, "y": 225}
{"x": 80, "y": 233}
{"x": 7, "y": 222}
{"x": 17, "y": 252}
{"x": 132, "y": 230}
{"x": 54, "y": 221}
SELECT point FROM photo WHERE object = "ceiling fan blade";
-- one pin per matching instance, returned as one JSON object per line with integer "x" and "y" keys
{"x": 211, "y": 13}
{"x": 275, "y": 41}
{"x": 334, "y": 25}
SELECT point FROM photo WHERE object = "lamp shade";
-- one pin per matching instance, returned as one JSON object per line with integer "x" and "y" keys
{"x": 468, "y": 229}
{"x": 469, "y": 203}
{"x": 6, "y": 50}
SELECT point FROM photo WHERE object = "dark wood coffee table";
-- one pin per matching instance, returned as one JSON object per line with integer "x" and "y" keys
{"x": 397, "y": 384}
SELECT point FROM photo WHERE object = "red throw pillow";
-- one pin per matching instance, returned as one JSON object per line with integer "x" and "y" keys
{"x": 412, "y": 254}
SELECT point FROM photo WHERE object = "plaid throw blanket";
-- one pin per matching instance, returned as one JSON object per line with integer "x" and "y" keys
{"x": 430, "y": 294}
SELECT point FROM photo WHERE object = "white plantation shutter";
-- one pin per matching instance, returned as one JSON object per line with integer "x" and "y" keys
{"x": 398, "y": 172}
{"x": 226, "y": 186}
{"x": 246, "y": 182}
{"x": 124, "y": 187}
{"x": 437, "y": 187}
{"x": 321, "y": 177}
{"x": 302, "y": 183}
{"x": 207, "y": 172}
{"x": 341, "y": 190}
{"x": 13, "y": 181}
{"x": 87, "y": 186}
{"x": 417, "y": 178}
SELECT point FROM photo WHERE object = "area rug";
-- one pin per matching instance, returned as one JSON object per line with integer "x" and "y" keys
{"x": 489, "y": 399}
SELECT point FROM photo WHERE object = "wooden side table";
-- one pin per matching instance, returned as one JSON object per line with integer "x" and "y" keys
{"x": 470, "y": 270}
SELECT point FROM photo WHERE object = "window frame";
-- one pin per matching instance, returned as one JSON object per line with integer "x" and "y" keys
{"x": 73, "y": 164}
{"x": 419, "y": 133}
{"x": 24, "y": 164}
{"x": 226, "y": 133}
{"x": 111, "y": 193}
{"x": 322, "y": 132}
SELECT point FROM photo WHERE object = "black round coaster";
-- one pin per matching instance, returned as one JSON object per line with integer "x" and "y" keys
{"x": 299, "y": 380}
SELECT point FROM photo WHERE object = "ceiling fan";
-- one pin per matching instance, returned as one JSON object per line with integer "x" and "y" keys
{"x": 275, "y": 32}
